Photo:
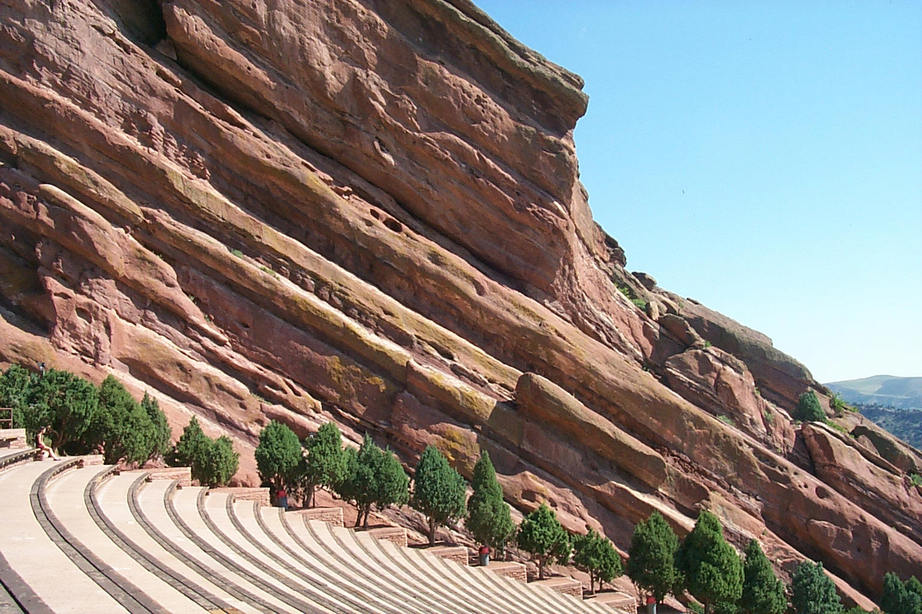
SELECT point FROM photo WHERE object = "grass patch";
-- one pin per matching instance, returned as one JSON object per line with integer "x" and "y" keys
{"x": 915, "y": 479}
{"x": 631, "y": 296}
{"x": 237, "y": 253}
{"x": 726, "y": 419}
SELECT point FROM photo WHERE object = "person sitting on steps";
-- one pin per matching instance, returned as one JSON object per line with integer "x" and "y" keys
{"x": 40, "y": 445}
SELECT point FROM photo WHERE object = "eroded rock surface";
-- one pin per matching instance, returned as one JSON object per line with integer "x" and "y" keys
{"x": 370, "y": 212}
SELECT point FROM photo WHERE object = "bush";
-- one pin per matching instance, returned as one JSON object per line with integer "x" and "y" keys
{"x": 67, "y": 404}
{"x": 542, "y": 536}
{"x": 213, "y": 462}
{"x": 218, "y": 462}
{"x": 325, "y": 462}
{"x": 373, "y": 477}
{"x": 763, "y": 592}
{"x": 813, "y": 592}
{"x": 278, "y": 455}
{"x": 160, "y": 433}
{"x": 900, "y": 597}
{"x": 438, "y": 490}
{"x": 712, "y": 570}
{"x": 15, "y": 388}
{"x": 808, "y": 408}
{"x": 596, "y": 555}
{"x": 488, "y": 515}
{"x": 651, "y": 565}
{"x": 189, "y": 446}
{"x": 121, "y": 425}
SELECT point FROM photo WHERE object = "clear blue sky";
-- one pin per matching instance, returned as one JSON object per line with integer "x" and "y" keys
{"x": 764, "y": 158}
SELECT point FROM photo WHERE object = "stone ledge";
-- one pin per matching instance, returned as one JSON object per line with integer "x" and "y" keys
{"x": 449, "y": 553}
{"x": 509, "y": 569}
{"x": 331, "y": 515}
{"x": 13, "y": 439}
{"x": 395, "y": 535}
{"x": 565, "y": 585}
{"x": 260, "y": 495}
{"x": 91, "y": 459}
{"x": 615, "y": 599}
{"x": 183, "y": 475}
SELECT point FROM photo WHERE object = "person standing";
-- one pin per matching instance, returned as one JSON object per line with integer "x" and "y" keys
{"x": 484, "y": 554}
{"x": 282, "y": 497}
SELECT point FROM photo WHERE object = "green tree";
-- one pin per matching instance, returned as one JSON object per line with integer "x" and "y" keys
{"x": 160, "y": 434}
{"x": 712, "y": 570}
{"x": 373, "y": 477}
{"x": 542, "y": 536}
{"x": 218, "y": 462}
{"x": 488, "y": 516}
{"x": 67, "y": 404}
{"x": 189, "y": 446}
{"x": 438, "y": 490}
{"x": 763, "y": 592}
{"x": 278, "y": 455}
{"x": 813, "y": 592}
{"x": 597, "y": 556}
{"x": 120, "y": 425}
{"x": 900, "y": 597}
{"x": 15, "y": 387}
{"x": 324, "y": 465}
{"x": 808, "y": 408}
{"x": 651, "y": 565}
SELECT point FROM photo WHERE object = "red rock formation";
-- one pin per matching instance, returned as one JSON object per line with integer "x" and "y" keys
{"x": 370, "y": 211}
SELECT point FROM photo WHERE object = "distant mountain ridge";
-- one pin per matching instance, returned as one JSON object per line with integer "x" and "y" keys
{"x": 885, "y": 390}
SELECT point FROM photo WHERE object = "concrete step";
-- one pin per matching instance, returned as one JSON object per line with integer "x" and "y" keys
{"x": 332, "y": 515}
{"x": 31, "y": 564}
{"x": 614, "y": 601}
{"x": 395, "y": 535}
{"x": 342, "y": 543}
{"x": 508, "y": 569}
{"x": 563, "y": 584}
{"x": 206, "y": 560}
{"x": 111, "y": 498}
{"x": 65, "y": 496}
{"x": 472, "y": 588}
{"x": 350, "y": 570}
{"x": 259, "y": 566}
{"x": 314, "y": 573}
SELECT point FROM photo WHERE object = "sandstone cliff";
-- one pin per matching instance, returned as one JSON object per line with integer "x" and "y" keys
{"x": 370, "y": 212}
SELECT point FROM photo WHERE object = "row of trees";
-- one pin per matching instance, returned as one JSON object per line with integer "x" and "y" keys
{"x": 372, "y": 476}
{"x": 708, "y": 568}
{"x": 82, "y": 418}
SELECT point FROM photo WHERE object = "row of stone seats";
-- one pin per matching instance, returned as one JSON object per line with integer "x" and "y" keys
{"x": 128, "y": 543}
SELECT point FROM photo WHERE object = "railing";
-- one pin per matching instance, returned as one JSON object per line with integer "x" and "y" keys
{"x": 6, "y": 417}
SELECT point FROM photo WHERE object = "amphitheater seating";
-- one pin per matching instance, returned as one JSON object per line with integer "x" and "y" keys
{"x": 80, "y": 537}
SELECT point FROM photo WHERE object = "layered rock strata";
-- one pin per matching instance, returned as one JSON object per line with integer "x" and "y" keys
{"x": 370, "y": 212}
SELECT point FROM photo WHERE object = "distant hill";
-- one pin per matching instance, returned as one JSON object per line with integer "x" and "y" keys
{"x": 883, "y": 390}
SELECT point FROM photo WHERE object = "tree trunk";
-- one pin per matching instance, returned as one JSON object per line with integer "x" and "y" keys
{"x": 592, "y": 583}
{"x": 540, "y": 567}
{"x": 431, "y": 531}
{"x": 365, "y": 522}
